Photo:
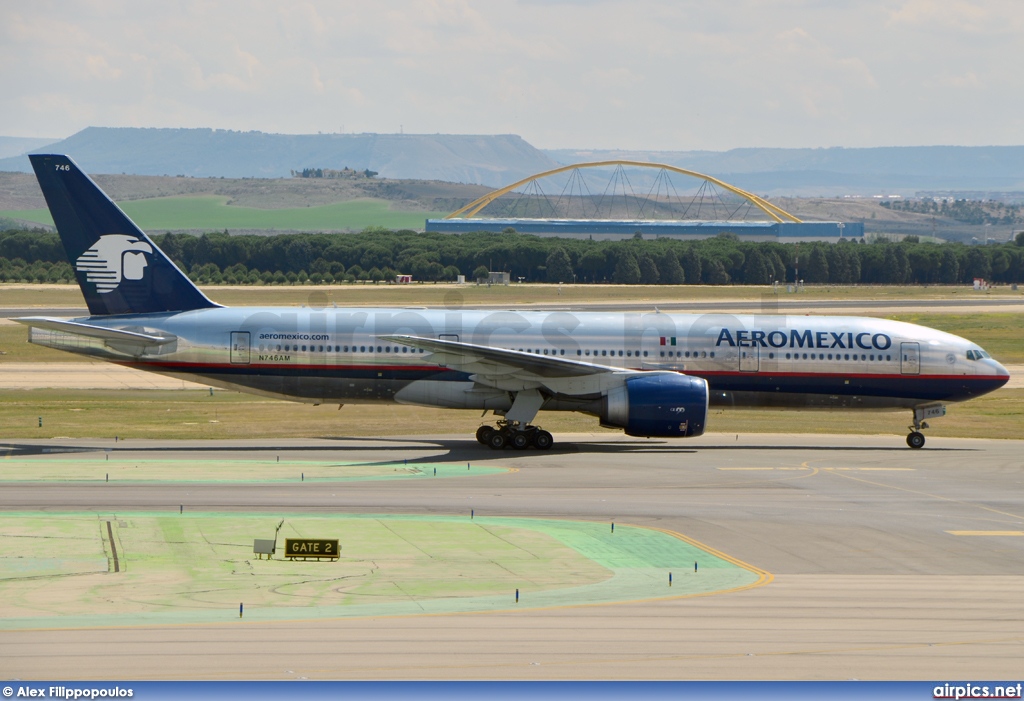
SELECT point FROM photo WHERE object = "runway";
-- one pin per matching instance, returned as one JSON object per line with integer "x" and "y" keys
{"x": 887, "y": 563}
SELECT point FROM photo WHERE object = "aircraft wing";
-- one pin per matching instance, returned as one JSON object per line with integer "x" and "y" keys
{"x": 102, "y": 332}
{"x": 516, "y": 370}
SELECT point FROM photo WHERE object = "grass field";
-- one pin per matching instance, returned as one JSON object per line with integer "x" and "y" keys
{"x": 195, "y": 414}
{"x": 198, "y": 567}
{"x": 212, "y": 212}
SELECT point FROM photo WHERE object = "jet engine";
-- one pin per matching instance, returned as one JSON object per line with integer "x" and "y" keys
{"x": 658, "y": 404}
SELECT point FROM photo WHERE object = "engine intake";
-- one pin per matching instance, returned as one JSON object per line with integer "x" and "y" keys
{"x": 663, "y": 404}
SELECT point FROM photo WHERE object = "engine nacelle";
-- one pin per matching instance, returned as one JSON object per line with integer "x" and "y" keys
{"x": 662, "y": 404}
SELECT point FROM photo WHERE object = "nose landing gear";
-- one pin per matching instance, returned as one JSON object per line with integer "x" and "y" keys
{"x": 916, "y": 439}
{"x": 512, "y": 433}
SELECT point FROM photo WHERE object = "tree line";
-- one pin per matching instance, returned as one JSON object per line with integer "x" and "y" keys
{"x": 377, "y": 255}
{"x": 963, "y": 210}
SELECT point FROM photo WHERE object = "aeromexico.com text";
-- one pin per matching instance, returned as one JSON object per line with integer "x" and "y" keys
{"x": 864, "y": 340}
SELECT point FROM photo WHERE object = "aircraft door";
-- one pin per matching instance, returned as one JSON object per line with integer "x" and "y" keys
{"x": 750, "y": 358}
{"x": 910, "y": 358}
{"x": 240, "y": 347}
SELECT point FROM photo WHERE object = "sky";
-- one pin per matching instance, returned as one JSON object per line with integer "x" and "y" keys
{"x": 583, "y": 74}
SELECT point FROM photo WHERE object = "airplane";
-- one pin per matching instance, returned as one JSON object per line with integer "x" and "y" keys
{"x": 650, "y": 374}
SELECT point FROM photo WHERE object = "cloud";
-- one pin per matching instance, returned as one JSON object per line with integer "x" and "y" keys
{"x": 655, "y": 74}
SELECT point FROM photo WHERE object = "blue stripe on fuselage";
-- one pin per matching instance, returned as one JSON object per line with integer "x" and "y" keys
{"x": 950, "y": 388}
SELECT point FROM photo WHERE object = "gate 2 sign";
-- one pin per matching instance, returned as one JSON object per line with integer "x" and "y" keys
{"x": 312, "y": 548}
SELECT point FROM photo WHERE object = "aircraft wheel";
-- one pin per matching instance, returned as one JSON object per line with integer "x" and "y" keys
{"x": 520, "y": 441}
{"x": 483, "y": 434}
{"x": 915, "y": 440}
{"x": 543, "y": 440}
{"x": 497, "y": 440}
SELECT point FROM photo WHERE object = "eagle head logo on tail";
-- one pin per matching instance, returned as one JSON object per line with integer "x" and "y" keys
{"x": 115, "y": 257}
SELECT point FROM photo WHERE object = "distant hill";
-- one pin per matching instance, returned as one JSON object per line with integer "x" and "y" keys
{"x": 827, "y": 172}
{"x": 502, "y": 159}
{"x": 17, "y": 145}
{"x": 488, "y": 160}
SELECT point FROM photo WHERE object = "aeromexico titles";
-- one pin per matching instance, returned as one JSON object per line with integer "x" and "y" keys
{"x": 651, "y": 374}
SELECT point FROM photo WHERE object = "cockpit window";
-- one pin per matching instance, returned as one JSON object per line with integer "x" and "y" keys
{"x": 977, "y": 354}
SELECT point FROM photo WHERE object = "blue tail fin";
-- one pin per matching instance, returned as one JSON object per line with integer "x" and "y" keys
{"x": 120, "y": 270}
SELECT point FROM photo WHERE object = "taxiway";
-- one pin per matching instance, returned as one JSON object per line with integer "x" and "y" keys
{"x": 887, "y": 563}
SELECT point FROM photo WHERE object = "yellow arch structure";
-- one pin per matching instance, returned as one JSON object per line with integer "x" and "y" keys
{"x": 776, "y": 213}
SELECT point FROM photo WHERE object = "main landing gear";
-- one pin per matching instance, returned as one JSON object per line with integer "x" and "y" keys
{"x": 512, "y": 433}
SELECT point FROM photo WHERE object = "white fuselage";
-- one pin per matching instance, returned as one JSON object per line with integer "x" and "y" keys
{"x": 338, "y": 355}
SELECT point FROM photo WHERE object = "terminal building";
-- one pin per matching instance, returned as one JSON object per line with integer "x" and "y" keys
{"x": 782, "y": 232}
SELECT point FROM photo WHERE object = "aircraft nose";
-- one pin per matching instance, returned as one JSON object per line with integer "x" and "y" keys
{"x": 998, "y": 369}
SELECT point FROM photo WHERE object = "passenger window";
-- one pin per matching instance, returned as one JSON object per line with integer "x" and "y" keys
{"x": 645, "y": 354}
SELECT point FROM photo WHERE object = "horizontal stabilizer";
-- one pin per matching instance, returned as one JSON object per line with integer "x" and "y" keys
{"x": 101, "y": 332}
